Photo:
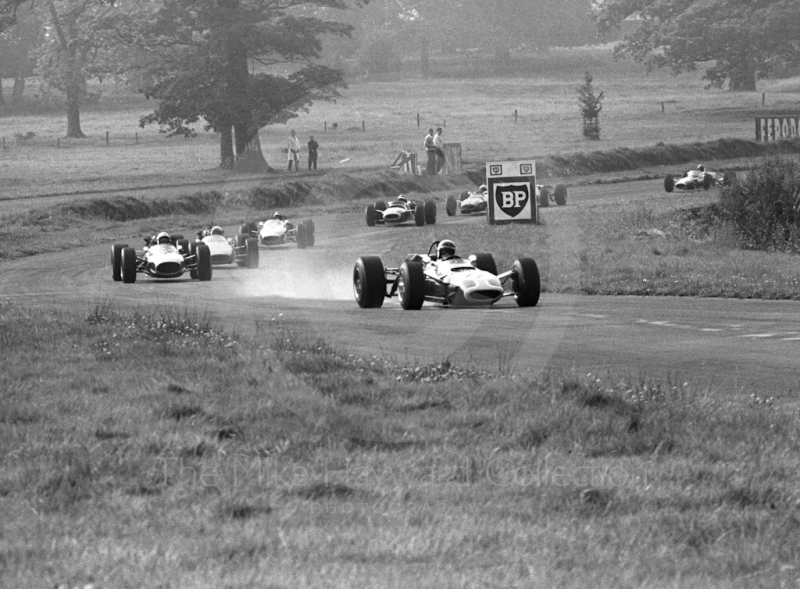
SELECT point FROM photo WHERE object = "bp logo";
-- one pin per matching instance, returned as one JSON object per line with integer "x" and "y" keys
{"x": 512, "y": 199}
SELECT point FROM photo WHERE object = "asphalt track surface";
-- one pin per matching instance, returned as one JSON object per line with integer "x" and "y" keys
{"x": 739, "y": 347}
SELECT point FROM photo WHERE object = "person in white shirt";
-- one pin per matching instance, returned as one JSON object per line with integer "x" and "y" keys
{"x": 294, "y": 152}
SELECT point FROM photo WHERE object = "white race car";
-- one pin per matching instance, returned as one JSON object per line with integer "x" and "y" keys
{"x": 697, "y": 179}
{"x": 240, "y": 249}
{"x": 399, "y": 211}
{"x": 468, "y": 202}
{"x": 278, "y": 231}
{"x": 547, "y": 194}
{"x": 162, "y": 257}
{"x": 452, "y": 282}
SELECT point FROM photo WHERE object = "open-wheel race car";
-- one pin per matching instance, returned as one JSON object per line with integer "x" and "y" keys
{"x": 468, "y": 202}
{"x": 546, "y": 194}
{"x": 241, "y": 249}
{"x": 697, "y": 179}
{"x": 442, "y": 277}
{"x": 399, "y": 211}
{"x": 163, "y": 256}
{"x": 277, "y": 230}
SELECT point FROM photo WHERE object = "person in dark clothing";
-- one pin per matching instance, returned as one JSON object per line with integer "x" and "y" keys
{"x": 312, "y": 152}
{"x": 430, "y": 150}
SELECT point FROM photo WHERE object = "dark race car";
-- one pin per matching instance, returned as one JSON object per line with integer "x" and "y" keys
{"x": 399, "y": 211}
{"x": 697, "y": 179}
{"x": 277, "y": 230}
{"x": 240, "y": 249}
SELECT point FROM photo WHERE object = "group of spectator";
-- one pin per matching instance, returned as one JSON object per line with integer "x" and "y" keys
{"x": 434, "y": 148}
{"x": 294, "y": 152}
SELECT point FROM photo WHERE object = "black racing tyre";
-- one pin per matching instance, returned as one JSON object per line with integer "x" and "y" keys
{"x": 310, "y": 233}
{"x": 369, "y": 282}
{"x": 371, "y": 215}
{"x": 708, "y": 181}
{"x": 244, "y": 229}
{"x": 561, "y": 194}
{"x": 128, "y": 260}
{"x": 380, "y": 205}
{"x": 419, "y": 214}
{"x": 430, "y": 212}
{"x": 251, "y": 247}
{"x": 176, "y": 238}
{"x": 411, "y": 285}
{"x": 203, "y": 262}
{"x": 464, "y": 195}
{"x": 544, "y": 197}
{"x": 239, "y": 244}
{"x": 669, "y": 183}
{"x": 116, "y": 261}
{"x": 450, "y": 206}
{"x": 486, "y": 263}
{"x": 526, "y": 282}
{"x": 301, "y": 235}
{"x": 182, "y": 245}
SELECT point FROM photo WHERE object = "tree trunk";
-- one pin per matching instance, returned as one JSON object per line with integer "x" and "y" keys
{"x": 19, "y": 88}
{"x": 2, "y": 100}
{"x": 251, "y": 159}
{"x": 74, "y": 118}
{"x": 226, "y": 156}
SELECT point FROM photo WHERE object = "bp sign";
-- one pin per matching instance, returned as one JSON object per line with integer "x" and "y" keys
{"x": 512, "y": 192}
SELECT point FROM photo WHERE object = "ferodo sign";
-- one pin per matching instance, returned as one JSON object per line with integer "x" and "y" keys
{"x": 512, "y": 192}
{"x": 777, "y": 127}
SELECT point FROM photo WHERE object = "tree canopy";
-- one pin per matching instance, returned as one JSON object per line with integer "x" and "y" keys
{"x": 739, "y": 41}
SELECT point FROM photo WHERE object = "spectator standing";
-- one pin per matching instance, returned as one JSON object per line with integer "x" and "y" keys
{"x": 294, "y": 152}
{"x": 430, "y": 150}
{"x": 312, "y": 152}
{"x": 438, "y": 144}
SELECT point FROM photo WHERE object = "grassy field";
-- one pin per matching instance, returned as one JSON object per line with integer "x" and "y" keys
{"x": 281, "y": 461}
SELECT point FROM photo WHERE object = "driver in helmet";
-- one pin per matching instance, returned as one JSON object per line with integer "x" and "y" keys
{"x": 401, "y": 200}
{"x": 216, "y": 230}
{"x": 278, "y": 215}
{"x": 483, "y": 188}
{"x": 446, "y": 250}
{"x": 697, "y": 175}
{"x": 163, "y": 237}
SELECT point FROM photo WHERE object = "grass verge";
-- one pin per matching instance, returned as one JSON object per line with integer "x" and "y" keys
{"x": 151, "y": 450}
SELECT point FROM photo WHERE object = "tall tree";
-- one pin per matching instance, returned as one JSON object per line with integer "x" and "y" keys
{"x": 17, "y": 46}
{"x": 743, "y": 40}
{"x": 238, "y": 65}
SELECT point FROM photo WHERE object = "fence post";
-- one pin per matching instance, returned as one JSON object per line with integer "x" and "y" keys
{"x": 106, "y": 137}
{"x": 763, "y": 98}
{"x": 662, "y": 107}
{"x": 417, "y": 119}
{"x": 326, "y": 127}
{"x": 137, "y": 136}
{"x": 515, "y": 115}
{"x": 58, "y": 142}
{"x": 4, "y": 143}
{"x": 364, "y": 125}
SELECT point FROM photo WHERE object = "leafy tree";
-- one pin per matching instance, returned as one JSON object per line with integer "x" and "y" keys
{"x": 17, "y": 45}
{"x": 202, "y": 51}
{"x": 590, "y": 105}
{"x": 743, "y": 40}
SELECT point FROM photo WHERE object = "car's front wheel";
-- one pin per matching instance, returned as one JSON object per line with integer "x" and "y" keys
{"x": 669, "y": 183}
{"x": 450, "y": 206}
{"x": 203, "y": 262}
{"x": 526, "y": 281}
{"x": 251, "y": 247}
{"x": 411, "y": 285}
{"x": 128, "y": 260}
{"x": 419, "y": 214}
{"x": 116, "y": 261}
{"x": 430, "y": 212}
{"x": 369, "y": 282}
{"x": 544, "y": 197}
{"x": 561, "y": 194}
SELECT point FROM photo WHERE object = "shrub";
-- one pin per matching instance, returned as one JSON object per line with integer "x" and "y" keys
{"x": 590, "y": 105}
{"x": 764, "y": 205}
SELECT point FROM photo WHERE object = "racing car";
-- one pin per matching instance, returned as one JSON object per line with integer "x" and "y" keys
{"x": 451, "y": 282}
{"x": 163, "y": 256}
{"x": 278, "y": 231}
{"x": 697, "y": 179}
{"x": 240, "y": 249}
{"x": 468, "y": 202}
{"x": 547, "y": 193}
{"x": 399, "y": 211}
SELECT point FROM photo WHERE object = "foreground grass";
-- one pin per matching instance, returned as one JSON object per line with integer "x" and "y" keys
{"x": 151, "y": 450}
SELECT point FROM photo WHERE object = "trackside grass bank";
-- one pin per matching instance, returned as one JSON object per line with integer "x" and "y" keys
{"x": 149, "y": 449}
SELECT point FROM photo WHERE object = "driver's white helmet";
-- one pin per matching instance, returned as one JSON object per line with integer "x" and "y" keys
{"x": 402, "y": 198}
{"x": 278, "y": 215}
{"x": 701, "y": 168}
{"x": 163, "y": 237}
{"x": 445, "y": 249}
{"x": 483, "y": 188}
{"x": 217, "y": 230}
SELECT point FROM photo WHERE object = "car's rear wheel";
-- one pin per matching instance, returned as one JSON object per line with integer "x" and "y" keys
{"x": 430, "y": 212}
{"x": 369, "y": 282}
{"x": 411, "y": 285}
{"x": 182, "y": 245}
{"x": 526, "y": 282}
{"x": 203, "y": 262}
{"x": 669, "y": 183}
{"x": 380, "y": 205}
{"x": 116, "y": 261}
{"x": 450, "y": 206}
{"x": 240, "y": 245}
{"x": 128, "y": 261}
{"x": 486, "y": 263}
{"x": 561, "y": 194}
{"x": 310, "y": 240}
{"x": 371, "y": 215}
{"x": 544, "y": 197}
{"x": 419, "y": 214}
{"x": 301, "y": 235}
{"x": 464, "y": 195}
{"x": 708, "y": 181}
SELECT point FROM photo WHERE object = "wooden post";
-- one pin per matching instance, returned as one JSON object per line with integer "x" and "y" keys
{"x": 106, "y": 137}
{"x": 4, "y": 143}
{"x": 515, "y": 115}
{"x": 662, "y": 107}
{"x": 137, "y": 136}
{"x": 325, "y": 129}
{"x": 363, "y": 125}
{"x": 58, "y": 142}
{"x": 763, "y": 98}
{"x": 417, "y": 119}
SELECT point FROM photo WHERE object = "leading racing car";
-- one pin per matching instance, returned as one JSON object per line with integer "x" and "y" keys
{"x": 399, "y": 211}
{"x": 442, "y": 277}
{"x": 697, "y": 179}
{"x": 163, "y": 256}
{"x": 240, "y": 249}
{"x": 278, "y": 230}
